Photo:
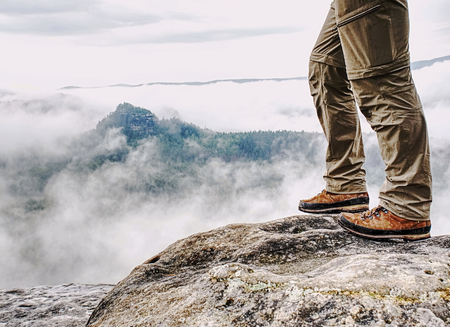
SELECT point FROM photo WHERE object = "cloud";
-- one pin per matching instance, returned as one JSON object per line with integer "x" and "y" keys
{"x": 43, "y": 122}
{"x": 30, "y": 7}
{"x": 194, "y": 24}
{"x": 211, "y": 35}
{"x": 68, "y": 18}
{"x": 437, "y": 13}
{"x": 296, "y": 113}
{"x": 433, "y": 84}
{"x": 5, "y": 93}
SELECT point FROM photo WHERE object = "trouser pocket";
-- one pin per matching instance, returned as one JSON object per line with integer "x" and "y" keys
{"x": 366, "y": 35}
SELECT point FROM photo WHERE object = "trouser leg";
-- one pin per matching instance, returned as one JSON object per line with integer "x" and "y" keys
{"x": 393, "y": 109}
{"x": 337, "y": 113}
{"x": 377, "y": 63}
{"x": 369, "y": 40}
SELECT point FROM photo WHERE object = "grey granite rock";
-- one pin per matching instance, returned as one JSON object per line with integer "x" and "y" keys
{"x": 50, "y": 306}
{"x": 297, "y": 271}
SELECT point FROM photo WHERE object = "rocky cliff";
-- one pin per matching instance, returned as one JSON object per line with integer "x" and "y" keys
{"x": 297, "y": 271}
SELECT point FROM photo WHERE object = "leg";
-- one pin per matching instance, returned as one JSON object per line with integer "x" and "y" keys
{"x": 378, "y": 66}
{"x": 336, "y": 109}
{"x": 392, "y": 107}
{"x": 337, "y": 113}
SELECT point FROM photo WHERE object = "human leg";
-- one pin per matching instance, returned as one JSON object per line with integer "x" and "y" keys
{"x": 338, "y": 116}
{"x": 392, "y": 107}
{"x": 378, "y": 67}
{"x": 336, "y": 109}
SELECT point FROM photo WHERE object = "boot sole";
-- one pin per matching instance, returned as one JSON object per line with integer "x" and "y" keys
{"x": 407, "y": 237}
{"x": 349, "y": 209}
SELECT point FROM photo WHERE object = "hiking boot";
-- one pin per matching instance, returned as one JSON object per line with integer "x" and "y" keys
{"x": 326, "y": 202}
{"x": 379, "y": 223}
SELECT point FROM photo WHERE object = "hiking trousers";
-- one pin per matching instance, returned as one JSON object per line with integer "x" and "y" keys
{"x": 362, "y": 54}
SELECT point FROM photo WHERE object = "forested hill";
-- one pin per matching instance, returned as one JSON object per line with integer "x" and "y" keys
{"x": 159, "y": 156}
{"x": 184, "y": 142}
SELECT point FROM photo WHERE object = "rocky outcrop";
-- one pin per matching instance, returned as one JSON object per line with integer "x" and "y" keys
{"x": 136, "y": 123}
{"x": 297, "y": 271}
{"x": 50, "y": 306}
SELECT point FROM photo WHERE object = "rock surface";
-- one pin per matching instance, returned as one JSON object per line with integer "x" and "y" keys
{"x": 50, "y": 306}
{"x": 297, "y": 271}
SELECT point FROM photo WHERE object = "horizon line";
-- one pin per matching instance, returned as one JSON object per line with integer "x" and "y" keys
{"x": 414, "y": 66}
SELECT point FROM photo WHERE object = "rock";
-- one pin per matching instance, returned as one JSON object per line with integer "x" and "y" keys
{"x": 48, "y": 306}
{"x": 297, "y": 271}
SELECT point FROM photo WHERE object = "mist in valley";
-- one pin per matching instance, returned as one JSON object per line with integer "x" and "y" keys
{"x": 82, "y": 205}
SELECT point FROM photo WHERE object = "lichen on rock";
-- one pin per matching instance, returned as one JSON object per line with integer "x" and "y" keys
{"x": 297, "y": 271}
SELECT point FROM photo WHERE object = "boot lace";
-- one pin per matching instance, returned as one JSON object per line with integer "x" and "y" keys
{"x": 374, "y": 212}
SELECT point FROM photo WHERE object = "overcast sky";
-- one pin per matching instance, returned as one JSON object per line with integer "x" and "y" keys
{"x": 48, "y": 44}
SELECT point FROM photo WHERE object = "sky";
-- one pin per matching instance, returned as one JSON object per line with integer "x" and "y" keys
{"x": 55, "y": 43}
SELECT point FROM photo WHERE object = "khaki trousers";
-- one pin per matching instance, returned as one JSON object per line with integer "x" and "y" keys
{"x": 362, "y": 54}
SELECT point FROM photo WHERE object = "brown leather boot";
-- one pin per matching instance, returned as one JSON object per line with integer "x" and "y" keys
{"x": 326, "y": 202}
{"x": 380, "y": 223}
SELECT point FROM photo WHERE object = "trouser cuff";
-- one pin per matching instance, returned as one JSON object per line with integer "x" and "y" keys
{"x": 346, "y": 190}
{"x": 405, "y": 212}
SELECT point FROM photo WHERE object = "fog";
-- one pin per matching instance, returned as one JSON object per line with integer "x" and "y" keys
{"x": 94, "y": 226}
{"x": 226, "y": 106}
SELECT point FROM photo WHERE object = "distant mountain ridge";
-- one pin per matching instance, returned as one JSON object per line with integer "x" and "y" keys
{"x": 238, "y": 81}
{"x": 426, "y": 63}
{"x": 414, "y": 66}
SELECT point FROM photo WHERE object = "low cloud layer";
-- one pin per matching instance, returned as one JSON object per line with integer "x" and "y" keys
{"x": 95, "y": 226}
{"x": 221, "y": 107}
{"x": 266, "y": 105}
